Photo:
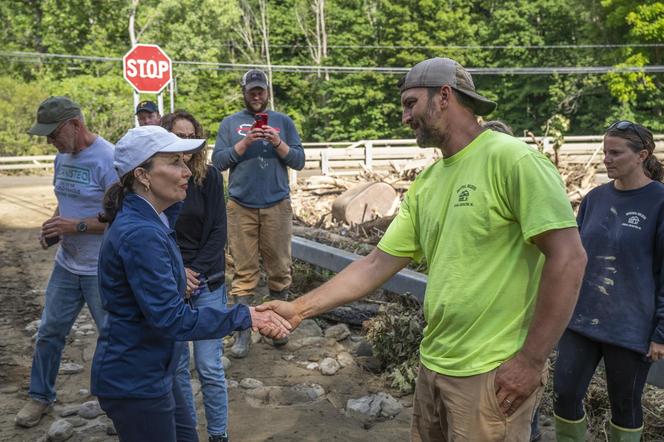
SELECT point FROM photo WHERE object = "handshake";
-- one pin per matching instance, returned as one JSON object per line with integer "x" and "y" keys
{"x": 275, "y": 319}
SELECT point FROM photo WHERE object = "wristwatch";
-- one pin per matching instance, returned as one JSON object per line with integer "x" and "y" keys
{"x": 82, "y": 227}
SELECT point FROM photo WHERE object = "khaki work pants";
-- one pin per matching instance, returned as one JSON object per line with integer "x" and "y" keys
{"x": 260, "y": 233}
{"x": 465, "y": 409}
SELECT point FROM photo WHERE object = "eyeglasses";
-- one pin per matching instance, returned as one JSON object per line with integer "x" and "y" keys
{"x": 624, "y": 125}
{"x": 186, "y": 136}
{"x": 53, "y": 135}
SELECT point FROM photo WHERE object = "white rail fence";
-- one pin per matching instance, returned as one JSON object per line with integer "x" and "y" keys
{"x": 349, "y": 158}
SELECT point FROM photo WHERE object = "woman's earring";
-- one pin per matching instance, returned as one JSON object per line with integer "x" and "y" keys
{"x": 147, "y": 187}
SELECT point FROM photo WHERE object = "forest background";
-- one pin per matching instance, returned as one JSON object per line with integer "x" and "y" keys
{"x": 208, "y": 39}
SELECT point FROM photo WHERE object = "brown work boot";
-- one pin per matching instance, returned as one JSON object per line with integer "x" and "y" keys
{"x": 31, "y": 413}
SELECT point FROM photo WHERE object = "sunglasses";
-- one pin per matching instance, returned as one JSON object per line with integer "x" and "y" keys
{"x": 53, "y": 135}
{"x": 625, "y": 125}
{"x": 186, "y": 137}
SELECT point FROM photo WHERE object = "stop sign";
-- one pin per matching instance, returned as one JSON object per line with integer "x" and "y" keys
{"x": 147, "y": 68}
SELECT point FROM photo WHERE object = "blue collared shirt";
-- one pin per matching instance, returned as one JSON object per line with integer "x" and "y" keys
{"x": 142, "y": 284}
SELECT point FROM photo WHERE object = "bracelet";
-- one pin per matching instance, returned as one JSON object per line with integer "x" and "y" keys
{"x": 280, "y": 141}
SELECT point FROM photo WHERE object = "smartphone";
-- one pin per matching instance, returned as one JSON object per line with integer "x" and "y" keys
{"x": 51, "y": 240}
{"x": 261, "y": 120}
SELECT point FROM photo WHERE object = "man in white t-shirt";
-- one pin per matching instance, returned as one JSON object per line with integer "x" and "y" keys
{"x": 83, "y": 172}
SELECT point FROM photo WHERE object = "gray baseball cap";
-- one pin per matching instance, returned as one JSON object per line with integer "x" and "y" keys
{"x": 52, "y": 112}
{"x": 142, "y": 142}
{"x": 254, "y": 78}
{"x": 436, "y": 72}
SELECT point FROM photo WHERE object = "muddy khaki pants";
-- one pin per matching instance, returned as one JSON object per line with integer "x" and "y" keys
{"x": 260, "y": 233}
{"x": 456, "y": 409}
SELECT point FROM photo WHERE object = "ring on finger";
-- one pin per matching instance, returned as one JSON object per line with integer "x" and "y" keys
{"x": 508, "y": 402}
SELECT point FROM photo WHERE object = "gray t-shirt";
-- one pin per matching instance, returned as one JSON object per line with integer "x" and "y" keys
{"x": 80, "y": 182}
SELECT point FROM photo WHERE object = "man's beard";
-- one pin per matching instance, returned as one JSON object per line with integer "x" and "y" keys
{"x": 426, "y": 135}
{"x": 249, "y": 105}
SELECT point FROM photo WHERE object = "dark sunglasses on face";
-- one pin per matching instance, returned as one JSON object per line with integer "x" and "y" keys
{"x": 624, "y": 125}
{"x": 186, "y": 137}
{"x": 53, "y": 135}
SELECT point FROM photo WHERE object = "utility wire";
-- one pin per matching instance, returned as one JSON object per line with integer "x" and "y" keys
{"x": 556, "y": 46}
{"x": 204, "y": 65}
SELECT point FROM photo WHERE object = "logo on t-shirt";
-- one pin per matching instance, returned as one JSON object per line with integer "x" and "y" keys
{"x": 634, "y": 219}
{"x": 464, "y": 194}
{"x": 243, "y": 129}
{"x": 74, "y": 174}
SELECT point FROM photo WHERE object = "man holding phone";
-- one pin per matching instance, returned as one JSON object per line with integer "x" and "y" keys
{"x": 257, "y": 146}
{"x": 83, "y": 172}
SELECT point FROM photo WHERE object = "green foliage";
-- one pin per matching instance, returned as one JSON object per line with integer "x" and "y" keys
{"x": 395, "y": 334}
{"x": 337, "y": 106}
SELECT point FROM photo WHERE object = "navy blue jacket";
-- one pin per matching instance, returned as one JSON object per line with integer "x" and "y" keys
{"x": 258, "y": 178}
{"x": 622, "y": 295}
{"x": 142, "y": 284}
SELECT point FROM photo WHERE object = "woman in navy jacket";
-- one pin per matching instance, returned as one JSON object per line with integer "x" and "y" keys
{"x": 142, "y": 285}
{"x": 620, "y": 313}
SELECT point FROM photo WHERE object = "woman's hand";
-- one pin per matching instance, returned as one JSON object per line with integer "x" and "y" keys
{"x": 192, "y": 282}
{"x": 656, "y": 351}
{"x": 269, "y": 324}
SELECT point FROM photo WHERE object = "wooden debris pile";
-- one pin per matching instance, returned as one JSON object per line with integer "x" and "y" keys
{"x": 312, "y": 201}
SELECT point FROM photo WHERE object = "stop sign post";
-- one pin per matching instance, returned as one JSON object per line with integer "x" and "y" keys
{"x": 147, "y": 68}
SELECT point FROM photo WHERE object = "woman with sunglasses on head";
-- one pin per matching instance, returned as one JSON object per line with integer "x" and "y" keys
{"x": 142, "y": 285}
{"x": 201, "y": 235}
{"x": 620, "y": 313}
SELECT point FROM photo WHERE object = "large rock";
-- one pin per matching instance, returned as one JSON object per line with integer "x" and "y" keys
{"x": 307, "y": 329}
{"x": 60, "y": 430}
{"x": 337, "y": 332}
{"x": 373, "y": 406}
{"x": 250, "y": 383}
{"x": 329, "y": 366}
{"x": 285, "y": 396}
{"x": 363, "y": 348}
{"x": 69, "y": 410}
{"x": 345, "y": 359}
{"x": 296, "y": 344}
{"x": 225, "y": 362}
{"x": 90, "y": 410}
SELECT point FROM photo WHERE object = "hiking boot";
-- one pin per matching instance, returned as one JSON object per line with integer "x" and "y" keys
{"x": 240, "y": 348}
{"x": 218, "y": 438}
{"x": 31, "y": 413}
{"x": 280, "y": 295}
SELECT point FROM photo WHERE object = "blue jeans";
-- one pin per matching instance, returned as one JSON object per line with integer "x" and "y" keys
{"x": 65, "y": 295}
{"x": 162, "y": 419}
{"x": 207, "y": 356}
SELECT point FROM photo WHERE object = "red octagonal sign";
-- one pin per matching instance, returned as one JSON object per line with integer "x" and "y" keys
{"x": 147, "y": 68}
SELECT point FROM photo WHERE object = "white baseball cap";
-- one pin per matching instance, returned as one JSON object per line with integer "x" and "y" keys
{"x": 141, "y": 143}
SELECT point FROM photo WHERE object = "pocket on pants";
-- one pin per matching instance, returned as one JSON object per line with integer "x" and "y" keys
{"x": 493, "y": 404}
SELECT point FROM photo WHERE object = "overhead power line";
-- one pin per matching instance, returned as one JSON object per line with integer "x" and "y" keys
{"x": 493, "y": 47}
{"x": 204, "y": 65}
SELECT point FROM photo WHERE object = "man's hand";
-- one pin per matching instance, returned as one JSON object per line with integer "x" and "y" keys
{"x": 269, "y": 323}
{"x": 516, "y": 380}
{"x": 252, "y": 135}
{"x": 271, "y": 135}
{"x": 192, "y": 282}
{"x": 58, "y": 226}
{"x": 286, "y": 310}
{"x": 656, "y": 351}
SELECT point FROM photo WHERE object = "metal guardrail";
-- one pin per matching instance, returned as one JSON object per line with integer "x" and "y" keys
{"x": 340, "y": 158}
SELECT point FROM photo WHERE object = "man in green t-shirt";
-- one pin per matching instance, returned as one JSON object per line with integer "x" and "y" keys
{"x": 505, "y": 264}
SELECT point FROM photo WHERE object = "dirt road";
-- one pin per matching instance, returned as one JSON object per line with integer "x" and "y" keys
{"x": 25, "y": 202}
